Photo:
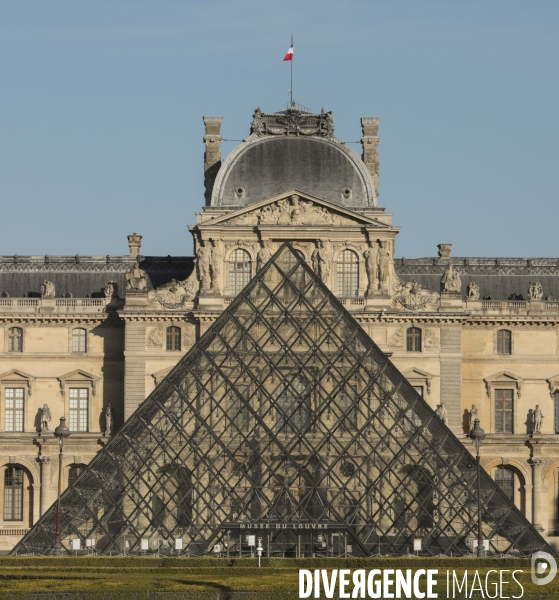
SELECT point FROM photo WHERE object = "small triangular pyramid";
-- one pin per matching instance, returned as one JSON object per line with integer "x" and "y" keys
{"x": 285, "y": 421}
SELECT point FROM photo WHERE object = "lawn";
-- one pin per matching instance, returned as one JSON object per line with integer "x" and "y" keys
{"x": 205, "y": 578}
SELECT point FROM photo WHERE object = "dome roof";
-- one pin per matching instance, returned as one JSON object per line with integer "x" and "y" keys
{"x": 293, "y": 150}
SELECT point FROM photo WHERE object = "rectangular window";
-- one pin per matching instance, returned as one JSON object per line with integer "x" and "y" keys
{"x": 79, "y": 400}
{"x": 14, "y": 409}
{"x": 418, "y": 389}
{"x": 13, "y": 494}
{"x": 503, "y": 411}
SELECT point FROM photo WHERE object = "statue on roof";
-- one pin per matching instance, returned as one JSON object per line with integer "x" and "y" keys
{"x": 47, "y": 289}
{"x": 136, "y": 280}
{"x": 450, "y": 281}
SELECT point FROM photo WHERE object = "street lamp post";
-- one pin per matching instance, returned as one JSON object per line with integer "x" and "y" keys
{"x": 478, "y": 435}
{"x": 61, "y": 432}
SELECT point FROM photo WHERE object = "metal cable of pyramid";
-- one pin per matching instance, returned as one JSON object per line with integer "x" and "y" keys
{"x": 285, "y": 421}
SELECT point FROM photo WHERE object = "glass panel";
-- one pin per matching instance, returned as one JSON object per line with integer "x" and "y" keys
{"x": 239, "y": 270}
{"x": 14, "y": 409}
{"x": 505, "y": 480}
{"x": 79, "y": 337}
{"x": 284, "y": 412}
{"x": 348, "y": 273}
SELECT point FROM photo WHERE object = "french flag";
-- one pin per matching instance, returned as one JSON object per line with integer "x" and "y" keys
{"x": 289, "y": 55}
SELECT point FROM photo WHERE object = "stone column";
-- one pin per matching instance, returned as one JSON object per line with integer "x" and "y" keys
{"x": 44, "y": 462}
{"x": 451, "y": 375}
{"x": 134, "y": 243}
{"x": 134, "y": 366}
{"x": 212, "y": 156}
{"x": 536, "y": 492}
{"x": 370, "y": 141}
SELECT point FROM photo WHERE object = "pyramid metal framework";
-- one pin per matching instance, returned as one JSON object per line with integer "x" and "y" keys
{"x": 285, "y": 421}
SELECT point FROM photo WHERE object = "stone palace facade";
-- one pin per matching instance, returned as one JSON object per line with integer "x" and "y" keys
{"x": 91, "y": 337}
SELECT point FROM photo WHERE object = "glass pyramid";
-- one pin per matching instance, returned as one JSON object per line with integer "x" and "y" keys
{"x": 284, "y": 422}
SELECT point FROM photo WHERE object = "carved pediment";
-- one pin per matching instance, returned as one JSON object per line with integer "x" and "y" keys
{"x": 294, "y": 208}
{"x": 15, "y": 377}
{"x": 78, "y": 377}
{"x": 504, "y": 378}
{"x": 160, "y": 375}
{"x": 417, "y": 376}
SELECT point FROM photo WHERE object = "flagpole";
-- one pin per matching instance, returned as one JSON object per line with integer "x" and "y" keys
{"x": 291, "y": 61}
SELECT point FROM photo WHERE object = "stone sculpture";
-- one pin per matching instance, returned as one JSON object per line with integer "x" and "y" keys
{"x": 215, "y": 264}
{"x": 321, "y": 260}
{"x": 136, "y": 280}
{"x": 535, "y": 291}
{"x": 537, "y": 419}
{"x": 111, "y": 289}
{"x": 383, "y": 265}
{"x": 450, "y": 281}
{"x": 371, "y": 266}
{"x": 442, "y": 413}
{"x": 45, "y": 417}
{"x": 203, "y": 260}
{"x": 473, "y": 416}
{"x": 47, "y": 289}
{"x": 473, "y": 291}
{"x": 108, "y": 420}
{"x": 264, "y": 254}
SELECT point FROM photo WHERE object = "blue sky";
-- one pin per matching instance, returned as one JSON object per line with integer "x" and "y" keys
{"x": 102, "y": 102}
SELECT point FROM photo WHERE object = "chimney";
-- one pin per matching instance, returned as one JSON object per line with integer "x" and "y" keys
{"x": 212, "y": 156}
{"x": 370, "y": 141}
{"x": 134, "y": 243}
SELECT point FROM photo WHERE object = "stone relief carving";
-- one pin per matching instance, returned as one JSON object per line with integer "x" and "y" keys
{"x": 136, "y": 280}
{"x": 473, "y": 291}
{"x": 321, "y": 259}
{"x": 430, "y": 339}
{"x": 413, "y": 296}
{"x": 48, "y": 289}
{"x": 396, "y": 340}
{"x": 535, "y": 291}
{"x": 292, "y": 211}
{"x": 175, "y": 294}
{"x": 111, "y": 289}
{"x": 450, "y": 281}
{"x": 189, "y": 332}
{"x": 155, "y": 337}
{"x": 292, "y": 122}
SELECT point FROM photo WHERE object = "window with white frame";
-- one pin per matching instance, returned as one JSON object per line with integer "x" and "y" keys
{"x": 504, "y": 400}
{"x": 13, "y": 494}
{"x": 240, "y": 270}
{"x": 79, "y": 340}
{"x": 14, "y": 409}
{"x": 79, "y": 408}
{"x": 348, "y": 273}
{"x": 418, "y": 389}
{"x": 15, "y": 339}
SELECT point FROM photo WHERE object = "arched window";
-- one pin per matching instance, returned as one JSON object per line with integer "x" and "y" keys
{"x": 79, "y": 340}
{"x": 239, "y": 270}
{"x": 348, "y": 273}
{"x": 74, "y": 472}
{"x": 505, "y": 480}
{"x": 173, "y": 338}
{"x": 13, "y": 494}
{"x": 15, "y": 339}
{"x": 413, "y": 339}
{"x": 504, "y": 341}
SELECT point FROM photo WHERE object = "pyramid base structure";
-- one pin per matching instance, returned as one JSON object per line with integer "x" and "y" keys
{"x": 284, "y": 426}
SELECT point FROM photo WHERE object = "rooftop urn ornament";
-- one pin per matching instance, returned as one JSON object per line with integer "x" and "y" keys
{"x": 478, "y": 435}
{"x": 444, "y": 250}
{"x": 61, "y": 433}
{"x": 134, "y": 243}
